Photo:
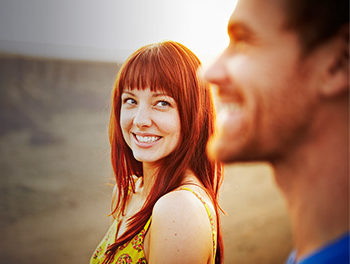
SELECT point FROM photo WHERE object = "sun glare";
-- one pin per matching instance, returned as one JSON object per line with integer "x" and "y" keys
{"x": 209, "y": 23}
{"x": 201, "y": 25}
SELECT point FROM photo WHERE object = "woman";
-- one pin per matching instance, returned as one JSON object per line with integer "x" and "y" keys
{"x": 165, "y": 204}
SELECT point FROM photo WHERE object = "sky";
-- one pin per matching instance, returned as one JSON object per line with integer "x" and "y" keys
{"x": 109, "y": 30}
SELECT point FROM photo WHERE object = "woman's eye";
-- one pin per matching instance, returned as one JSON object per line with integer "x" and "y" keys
{"x": 163, "y": 103}
{"x": 129, "y": 101}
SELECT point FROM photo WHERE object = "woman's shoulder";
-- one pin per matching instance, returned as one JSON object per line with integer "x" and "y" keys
{"x": 182, "y": 213}
{"x": 182, "y": 209}
{"x": 180, "y": 221}
{"x": 177, "y": 200}
{"x": 182, "y": 205}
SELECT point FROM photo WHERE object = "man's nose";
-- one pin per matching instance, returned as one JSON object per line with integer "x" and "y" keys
{"x": 142, "y": 117}
{"x": 216, "y": 72}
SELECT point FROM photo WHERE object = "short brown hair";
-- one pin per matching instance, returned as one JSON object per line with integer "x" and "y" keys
{"x": 316, "y": 21}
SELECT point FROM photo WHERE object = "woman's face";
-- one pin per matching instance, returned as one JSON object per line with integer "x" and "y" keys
{"x": 150, "y": 123}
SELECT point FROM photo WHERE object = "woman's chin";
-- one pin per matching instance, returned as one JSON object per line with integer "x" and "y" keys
{"x": 143, "y": 159}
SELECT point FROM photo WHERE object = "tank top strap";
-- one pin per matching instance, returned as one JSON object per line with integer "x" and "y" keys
{"x": 213, "y": 229}
{"x": 145, "y": 228}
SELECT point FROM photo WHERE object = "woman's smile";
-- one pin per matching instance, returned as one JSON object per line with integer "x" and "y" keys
{"x": 146, "y": 140}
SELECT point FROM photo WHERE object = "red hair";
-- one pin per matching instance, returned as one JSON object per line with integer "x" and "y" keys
{"x": 170, "y": 67}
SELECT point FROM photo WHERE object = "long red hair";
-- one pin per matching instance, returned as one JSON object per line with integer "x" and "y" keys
{"x": 170, "y": 67}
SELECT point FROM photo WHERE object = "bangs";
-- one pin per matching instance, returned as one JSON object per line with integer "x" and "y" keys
{"x": 152, "y": 68}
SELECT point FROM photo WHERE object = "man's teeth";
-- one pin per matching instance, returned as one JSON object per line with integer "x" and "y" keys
{"x": 231, "y": 107}
{"x": 146, "y": 139}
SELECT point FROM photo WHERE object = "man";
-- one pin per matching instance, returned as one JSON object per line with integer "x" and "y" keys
{"x": 283, "y": 85}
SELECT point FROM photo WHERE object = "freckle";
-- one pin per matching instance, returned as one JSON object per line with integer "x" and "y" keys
{"x": 175, "y": 234}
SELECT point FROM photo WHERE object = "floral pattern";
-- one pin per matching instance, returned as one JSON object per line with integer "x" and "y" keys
{"x": 130, "y": 252}
{"x": 137, "y": 241}
{"x": 124, "y": 259}
{"x": 97, "y": 252}
{"x": 142, "y": 261}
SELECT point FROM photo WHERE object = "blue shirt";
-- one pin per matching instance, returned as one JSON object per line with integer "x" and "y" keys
{"x": 336, "y": 252}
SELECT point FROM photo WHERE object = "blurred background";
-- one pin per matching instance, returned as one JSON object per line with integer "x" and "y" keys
{"x": 58, "y": 63}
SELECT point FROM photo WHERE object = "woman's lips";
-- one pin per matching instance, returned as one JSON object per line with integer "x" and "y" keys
{"x": 146, "y": 140}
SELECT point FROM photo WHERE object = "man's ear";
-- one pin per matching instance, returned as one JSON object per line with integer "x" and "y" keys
{"x": 336, "y": 72}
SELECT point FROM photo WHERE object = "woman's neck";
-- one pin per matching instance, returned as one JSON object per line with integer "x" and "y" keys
{"x": 150, "y": 173}
{"x": 149, "y": 176}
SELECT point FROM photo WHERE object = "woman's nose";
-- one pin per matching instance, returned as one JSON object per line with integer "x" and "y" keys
{"x": 142, "y": 117}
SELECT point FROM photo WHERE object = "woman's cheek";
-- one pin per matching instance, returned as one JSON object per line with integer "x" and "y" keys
{"x": 125, "y": 125}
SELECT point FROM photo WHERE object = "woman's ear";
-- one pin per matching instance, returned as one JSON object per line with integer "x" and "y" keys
{"x": 335, "y": 79}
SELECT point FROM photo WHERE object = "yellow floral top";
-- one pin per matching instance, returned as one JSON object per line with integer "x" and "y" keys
{"x": 133, "y": 250}
{"x": 130, "y": 252}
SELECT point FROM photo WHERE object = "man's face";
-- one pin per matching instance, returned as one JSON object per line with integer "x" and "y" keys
{"x": 264, "y": 87}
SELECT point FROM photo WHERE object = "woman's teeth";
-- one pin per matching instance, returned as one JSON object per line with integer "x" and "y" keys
{"x": 147, "y": 139}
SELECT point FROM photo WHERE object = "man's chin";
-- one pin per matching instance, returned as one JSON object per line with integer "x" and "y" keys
{"x": 226, "y": 152}
{"x": 218, "y": 150}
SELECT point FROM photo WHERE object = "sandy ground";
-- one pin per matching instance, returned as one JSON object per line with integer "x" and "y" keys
{"x": 55, "y": 176}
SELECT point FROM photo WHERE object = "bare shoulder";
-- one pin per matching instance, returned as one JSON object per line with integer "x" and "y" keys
{"x": 180, "y": 227}
{"x": 179, "y": 203}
